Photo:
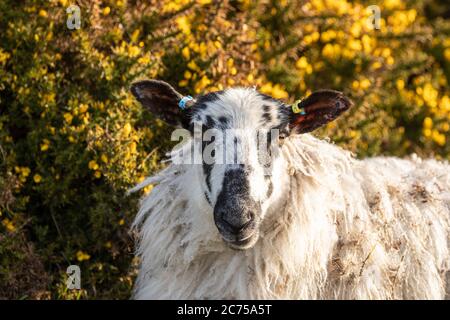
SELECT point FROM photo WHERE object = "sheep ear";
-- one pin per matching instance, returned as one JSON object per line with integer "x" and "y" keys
{"x": 161, "y": 99}
{"x": 317, "y": 109}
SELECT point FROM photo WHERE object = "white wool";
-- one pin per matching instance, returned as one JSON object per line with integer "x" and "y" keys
{"x": 343, "y": 229}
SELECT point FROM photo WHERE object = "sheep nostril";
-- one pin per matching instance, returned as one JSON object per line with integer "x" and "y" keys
{"x": 236, "y": 224}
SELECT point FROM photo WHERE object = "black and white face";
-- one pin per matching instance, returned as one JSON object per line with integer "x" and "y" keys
{"x": 239, "y": 133}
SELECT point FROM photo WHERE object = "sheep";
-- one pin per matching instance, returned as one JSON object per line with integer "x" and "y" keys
{"x": 316, "y": 224}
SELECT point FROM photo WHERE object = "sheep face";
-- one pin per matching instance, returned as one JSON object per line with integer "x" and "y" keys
{"x": 239, "y": 134}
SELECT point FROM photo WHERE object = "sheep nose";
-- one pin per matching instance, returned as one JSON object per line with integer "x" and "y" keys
{"x": 236, "y": 222}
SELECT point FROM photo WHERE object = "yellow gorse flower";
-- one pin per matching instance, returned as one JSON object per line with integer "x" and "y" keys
{"x": 9, "y": 225}
{"x": 302, "y": 63}
{"x": 37, "y": 178}
{"x": 68, "y": 117}
{"x": 43, "y": 13}
{"x": 104, "y": 158}
{"x": 93, "y": 165}
{"x": 183, "y": 24}
{"x": 427, "y": 123}
{"x": 82, "y": 256}
{"x": 45, "y": 144}
{"x": 186, "y": 53}
{"x": 277, "y": 91}
{"x": 127, "y": 129}
{"x": 83, "y": 108}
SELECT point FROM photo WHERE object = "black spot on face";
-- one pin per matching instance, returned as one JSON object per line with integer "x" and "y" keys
{"x": 268, "y": 98}
{"x": 235, "y": 149}
{"x": 201, "y": 103}
{"x": 207, "y": 167}
{"x": 264, "y": 147}
{"x": 284, "y": 113}
{"x": 235, "y": 182}
{"x": 235, "y": 190}
{"x": 224, "y": 123}
{"x": 209, "y": 97}
{"x": 200, "y": 107}
{"x": 235, "y": 212}
{"x": 267, "y": 117}
{"x": 207, "y": 199}
{"x": 210, "y": 123}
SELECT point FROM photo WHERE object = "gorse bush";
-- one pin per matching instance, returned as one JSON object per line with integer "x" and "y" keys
{"x": 73, "y": 140}
{"x": 397, "y": 75}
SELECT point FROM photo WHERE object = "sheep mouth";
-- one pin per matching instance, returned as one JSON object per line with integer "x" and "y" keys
{"x": 242, "y": 244}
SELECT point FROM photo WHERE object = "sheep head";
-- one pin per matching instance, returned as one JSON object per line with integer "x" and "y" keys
{"x": 239, "y": 133}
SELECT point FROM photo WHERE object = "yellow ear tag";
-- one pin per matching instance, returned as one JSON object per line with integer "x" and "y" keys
{"x": 297, "y": 109}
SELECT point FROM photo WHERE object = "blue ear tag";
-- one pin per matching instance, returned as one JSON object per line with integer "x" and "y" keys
{"x": 182, "y": 103}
